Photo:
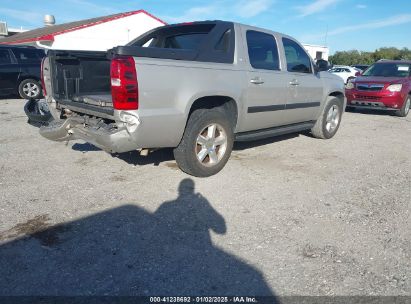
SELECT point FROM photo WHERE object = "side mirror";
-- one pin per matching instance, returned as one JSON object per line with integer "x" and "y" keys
{"x": 358, "y": 74}
{"x": 322, "y": 65}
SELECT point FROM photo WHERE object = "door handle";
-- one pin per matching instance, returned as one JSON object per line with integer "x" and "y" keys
{"x": 257, "y": 80}
{"x": 294, "y": 82}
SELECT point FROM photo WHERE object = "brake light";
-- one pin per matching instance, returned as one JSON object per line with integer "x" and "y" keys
{"x": 124, "y": 85}
{"x": 42, "y": 76}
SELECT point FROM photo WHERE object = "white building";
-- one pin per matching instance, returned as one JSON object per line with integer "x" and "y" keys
{"x": 6, "y": 31}
{"x": 317, "y": 51}
{"x": 96, "y": 34}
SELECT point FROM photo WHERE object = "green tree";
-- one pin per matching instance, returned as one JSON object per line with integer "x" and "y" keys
{"x": 390, "y": 53}
{"x": 405, "y": 54}
{"x": 356, "y": 57}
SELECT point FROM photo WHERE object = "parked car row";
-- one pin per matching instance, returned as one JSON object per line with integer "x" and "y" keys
{"x": 345, "y": 72}
{"x": 20, "y": 71}
{"x": 361, "y": 67}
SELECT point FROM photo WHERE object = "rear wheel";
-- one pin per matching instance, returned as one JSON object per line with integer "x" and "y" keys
{"x": 405, "y": 109}
{"x": 206, "y": 144}
{"x": 329, "y": 120}
{"x": 30, "y": 89}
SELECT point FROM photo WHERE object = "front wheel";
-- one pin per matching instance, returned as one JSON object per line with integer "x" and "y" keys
{"x": 329, "y": 120}
{"x": 405, "y": 109}
{"x": 206, "y": 144}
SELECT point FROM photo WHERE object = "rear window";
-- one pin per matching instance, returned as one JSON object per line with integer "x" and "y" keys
{"x": 186, "y": 37}
{"x": 28, "y": 55}
{"x": 186, "y": 41}
{"x": 388, "y": 70}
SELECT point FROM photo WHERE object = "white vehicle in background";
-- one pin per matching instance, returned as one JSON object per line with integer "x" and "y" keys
{"x": 345, "y": 72}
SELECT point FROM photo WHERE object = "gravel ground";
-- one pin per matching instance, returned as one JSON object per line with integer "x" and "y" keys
{"x": 288, "y": 216}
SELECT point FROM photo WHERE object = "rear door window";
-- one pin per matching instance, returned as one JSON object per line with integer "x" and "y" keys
{"x": 5, "y": 57}
{"x": 262, "y": 51}
{"x": 296, "y": 57}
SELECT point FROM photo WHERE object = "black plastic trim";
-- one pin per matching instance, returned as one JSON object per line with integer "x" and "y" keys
{"x": 258, "y": 109}
{"x": 302, "y": 105}
{"x": 364, "y": 107}
{"x": 152, "y": 52}
{"x": 275, "y": 131}
{"x": 291, "y": 106}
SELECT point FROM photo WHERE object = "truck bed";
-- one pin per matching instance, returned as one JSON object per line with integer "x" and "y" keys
{"x": 81, "y": 77}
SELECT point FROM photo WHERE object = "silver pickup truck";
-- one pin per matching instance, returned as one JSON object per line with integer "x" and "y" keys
{"x": 196, "y": 87}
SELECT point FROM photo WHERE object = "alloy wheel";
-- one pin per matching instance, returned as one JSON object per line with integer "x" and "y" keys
{"x": 31, "y": 89}
{"x": 333, "y": 118}
{"x": 211, "y": 145}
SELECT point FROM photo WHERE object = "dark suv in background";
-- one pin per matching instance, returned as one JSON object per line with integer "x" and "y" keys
{"x": 20, "y": 71}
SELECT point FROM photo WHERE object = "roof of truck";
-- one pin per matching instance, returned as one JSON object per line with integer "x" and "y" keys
{"x": 47, "y": 33}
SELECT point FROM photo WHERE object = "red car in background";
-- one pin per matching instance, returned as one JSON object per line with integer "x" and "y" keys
{"x": 385, "y": 85}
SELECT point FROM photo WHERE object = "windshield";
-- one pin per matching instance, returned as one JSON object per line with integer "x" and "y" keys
{"x": 388, "y": 70}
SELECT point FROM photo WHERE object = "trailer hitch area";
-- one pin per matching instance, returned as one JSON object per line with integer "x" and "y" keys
{"x": 60, "y": 130}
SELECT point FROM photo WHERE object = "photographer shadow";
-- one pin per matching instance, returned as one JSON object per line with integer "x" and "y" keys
{"x": 128, "y": 251}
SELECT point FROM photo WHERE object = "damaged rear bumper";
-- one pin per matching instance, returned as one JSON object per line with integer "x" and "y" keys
{"x": 112, "y": 139}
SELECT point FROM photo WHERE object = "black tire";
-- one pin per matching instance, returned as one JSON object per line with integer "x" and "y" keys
{"x": 405, "y": 109}
{"x": 186, "y": 153}
{"x": 30, "y": 89}
{"x": 37, "y": 112}
{"x": 320, "y": 129}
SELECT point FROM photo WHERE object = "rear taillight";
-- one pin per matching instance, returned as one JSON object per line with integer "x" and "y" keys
{"x": 42, "y": 76}
{"x": 124, "y": 86}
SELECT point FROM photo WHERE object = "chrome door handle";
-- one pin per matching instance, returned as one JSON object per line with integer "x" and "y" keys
{"x": 257, "y": 80}
{"x": 294, "y": 82}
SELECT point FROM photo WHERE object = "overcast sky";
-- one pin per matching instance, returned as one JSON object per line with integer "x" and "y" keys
{"x": 339, "y": 24}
